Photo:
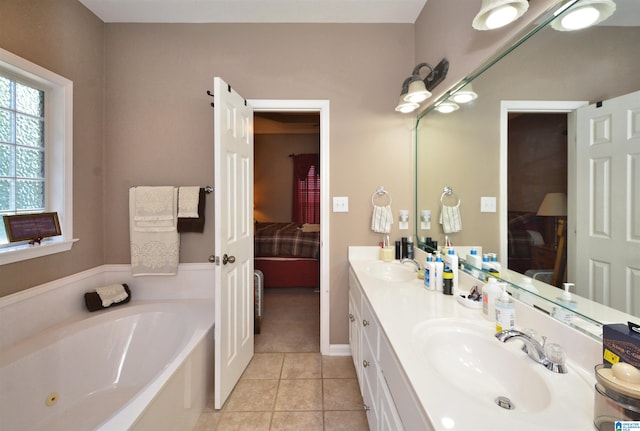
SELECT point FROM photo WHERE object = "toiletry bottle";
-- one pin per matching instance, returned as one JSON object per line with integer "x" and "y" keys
{"x": 451, "y": 262}
{"x": 398, "y": 250}
{"x": 403, "y": 253}
{"x": 505, "y": 311}
{"x": 429, "y": 273}
{"x": 490, "y": 292}
{"x": 410, "y": 248}
{"x": 439, "y": 268}
{"x": 565, "y": 313}
{"x": 447, "y": 281}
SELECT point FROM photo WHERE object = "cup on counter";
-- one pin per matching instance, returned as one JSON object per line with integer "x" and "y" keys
{"x": 388, "y": 253}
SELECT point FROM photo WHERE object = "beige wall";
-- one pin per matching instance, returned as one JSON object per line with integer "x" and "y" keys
{"x": 444, "y": 29}
{"x": 159, "y": 121}
{"x": 273, "y": 173}
{"x": 64, "y": 37}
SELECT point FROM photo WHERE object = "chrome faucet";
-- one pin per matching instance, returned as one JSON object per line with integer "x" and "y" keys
{"x": 416, "y": 264}
{"x": 552, "y": 357}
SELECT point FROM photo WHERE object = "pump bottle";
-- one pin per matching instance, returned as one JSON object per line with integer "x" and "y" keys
{"x": 505, "y": 311}
{"x": 565, "y": 314}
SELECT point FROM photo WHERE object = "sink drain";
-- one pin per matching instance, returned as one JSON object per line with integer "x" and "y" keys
{"x": 505, "y": 403}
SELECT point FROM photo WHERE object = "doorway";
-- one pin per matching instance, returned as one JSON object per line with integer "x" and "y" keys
{"x": 512, "y": 110}
{"x": 301, "y": 116}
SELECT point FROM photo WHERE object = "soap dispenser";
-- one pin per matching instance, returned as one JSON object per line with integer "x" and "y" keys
{"x": 505, "y": 311}
{"x": 565, "y": 313}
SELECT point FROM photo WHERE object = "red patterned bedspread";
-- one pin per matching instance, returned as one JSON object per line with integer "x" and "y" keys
{"x": 285, "y": 239}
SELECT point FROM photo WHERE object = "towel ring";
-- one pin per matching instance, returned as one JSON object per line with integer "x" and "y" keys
{"x": 380, "y": 191}
{"x": 447, "y": 193}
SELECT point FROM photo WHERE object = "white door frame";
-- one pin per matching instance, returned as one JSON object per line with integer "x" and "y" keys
{"x": 534, "y": 106}
{"x": 321, "y": 106}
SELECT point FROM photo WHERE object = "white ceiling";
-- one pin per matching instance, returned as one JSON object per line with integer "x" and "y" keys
{"x": 254, "y": 11}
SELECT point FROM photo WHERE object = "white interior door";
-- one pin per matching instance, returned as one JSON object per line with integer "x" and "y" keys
{"x": 608, "y": 202}
{"x": 233, "y": 141}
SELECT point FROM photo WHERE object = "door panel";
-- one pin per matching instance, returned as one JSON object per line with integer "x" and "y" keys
{"x": 233, "y": 152}
{"x": 608, "y": 202}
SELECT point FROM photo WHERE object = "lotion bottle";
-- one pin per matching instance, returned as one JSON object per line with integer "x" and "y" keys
{"x": 490, "y": 292}
{"x": 439, "y": 269}
{"x": 565, "y": 314}
{"x": 505, "y": 311}
{"x": 429, "y": 273}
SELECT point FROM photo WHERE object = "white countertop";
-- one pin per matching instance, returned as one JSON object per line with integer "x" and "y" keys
{"x": 401, "y": 307}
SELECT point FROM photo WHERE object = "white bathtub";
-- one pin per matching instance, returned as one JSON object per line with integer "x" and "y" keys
{"x": 102, "y": 370}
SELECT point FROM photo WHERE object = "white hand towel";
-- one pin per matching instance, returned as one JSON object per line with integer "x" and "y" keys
{"x": 155, "y": 244}
{"x": 381, "y": 219}
{"x": 450, "y": 218}
{"x": 188, "y": 199}
{"x": 111, "y": 294}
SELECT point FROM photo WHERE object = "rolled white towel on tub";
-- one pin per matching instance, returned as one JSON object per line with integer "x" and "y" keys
{"x": 111, "y": 294}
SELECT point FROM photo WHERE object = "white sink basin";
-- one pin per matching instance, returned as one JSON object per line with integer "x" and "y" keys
{"x": 391, "y": 271}
{"x": 469, "y": 367}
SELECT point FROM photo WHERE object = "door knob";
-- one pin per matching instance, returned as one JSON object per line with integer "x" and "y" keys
{"x": 228, "y": 259}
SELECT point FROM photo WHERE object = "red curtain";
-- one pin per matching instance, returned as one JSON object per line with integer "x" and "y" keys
{"x": 306, "y": 188}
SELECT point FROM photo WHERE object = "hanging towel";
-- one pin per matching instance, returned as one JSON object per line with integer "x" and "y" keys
{"x": 155, "y": 242}
{"x": 191, "y": 224}
{"x": 188, "y": 198}
{"x": 450, "y": 218}
{"x": 111, "y": 294}
{"x": 381, "y": 219}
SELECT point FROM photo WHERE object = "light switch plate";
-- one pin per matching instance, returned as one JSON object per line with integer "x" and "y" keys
{"x": 487, "y": 204}
{"x": 340, "y": 204}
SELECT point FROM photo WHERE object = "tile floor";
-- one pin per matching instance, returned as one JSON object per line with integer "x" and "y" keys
{"x": 288, "y": 385}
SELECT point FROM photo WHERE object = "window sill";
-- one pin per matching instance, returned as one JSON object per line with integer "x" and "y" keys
{"x": 25, "y": 252}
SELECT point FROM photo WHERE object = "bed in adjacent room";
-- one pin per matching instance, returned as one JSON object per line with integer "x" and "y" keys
{"x": 288, "y": 254}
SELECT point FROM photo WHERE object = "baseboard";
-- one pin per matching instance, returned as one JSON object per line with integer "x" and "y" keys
{"x": 339, "y": 350}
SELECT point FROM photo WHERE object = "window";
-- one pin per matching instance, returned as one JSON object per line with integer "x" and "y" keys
{"x": 22, "y": 149}
{"x": 35, "y": 151}
{"x": 306, "y": 188}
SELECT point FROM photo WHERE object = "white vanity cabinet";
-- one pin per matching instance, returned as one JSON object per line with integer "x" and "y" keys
{"x": 376, "y": 366}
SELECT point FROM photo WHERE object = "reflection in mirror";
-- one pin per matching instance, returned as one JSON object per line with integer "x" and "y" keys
{"x": 535, "y": 90}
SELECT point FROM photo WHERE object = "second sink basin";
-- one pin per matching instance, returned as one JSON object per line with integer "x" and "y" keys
{"x": 466, "y": 363}
{"x": 391, "y": 271}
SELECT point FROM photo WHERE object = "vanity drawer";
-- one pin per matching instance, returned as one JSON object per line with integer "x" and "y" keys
{"x": 370, "y": 327}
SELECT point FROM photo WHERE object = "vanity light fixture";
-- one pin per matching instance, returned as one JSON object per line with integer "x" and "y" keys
{"x": 416, "y": 89}
{"x": 498, "y": 13}
{"x": 404, "y": 106}
{"x": 464, "y": 95}
{"x": 447, "y": 107}
{"x": 583, "y": 14}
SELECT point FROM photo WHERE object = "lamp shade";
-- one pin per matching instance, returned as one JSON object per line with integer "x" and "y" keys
{"x": 553, "y": 204}
{"x": 498, "y": 13}
{"x": 584, "y": 14}
{"x": 464, "y": 95}
{"x": 417, "y": 91}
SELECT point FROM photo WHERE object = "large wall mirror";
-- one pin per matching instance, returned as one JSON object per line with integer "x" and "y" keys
{"x": 517, "y": 143}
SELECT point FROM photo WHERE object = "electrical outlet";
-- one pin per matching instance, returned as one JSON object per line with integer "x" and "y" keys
{"x": 487, "y": 204}
{"x": 340, "y": 204}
